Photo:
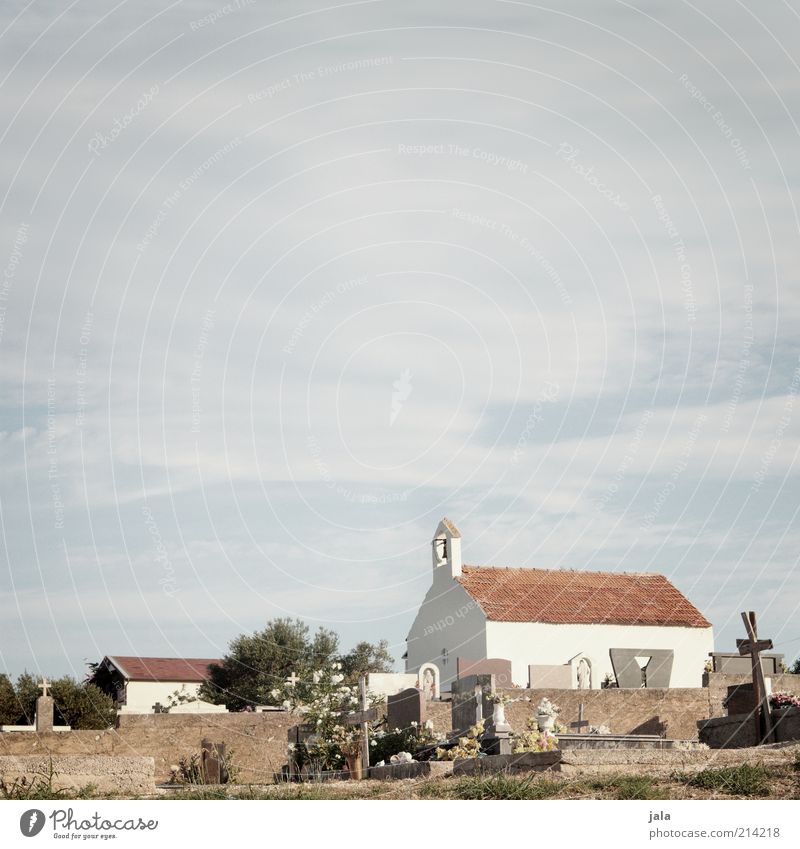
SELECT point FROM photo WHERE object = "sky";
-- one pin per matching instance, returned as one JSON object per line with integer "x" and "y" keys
{"x": 284, "y": 283}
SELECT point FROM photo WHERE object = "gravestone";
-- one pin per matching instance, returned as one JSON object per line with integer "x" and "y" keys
{"x": 404, "y": 708}
{"x": 550, "y": 677}
{"x": 629, "y": 674}
{"x": 497, "y": 666}
{"x": 212, "y": 762}
{"x": 469, "y": 699}
{"x": 734, "y": 664}
{"x": 741, "y": 698}
{"x": 44, "y": 710}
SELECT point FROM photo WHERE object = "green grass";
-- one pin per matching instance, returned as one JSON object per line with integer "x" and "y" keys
{"x": 624, "y": 786}
{"x": 743, "y": 780}
{"x": 501, "y": 786}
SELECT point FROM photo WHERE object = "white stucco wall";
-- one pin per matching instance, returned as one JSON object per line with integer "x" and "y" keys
{"x": 142, "y": 695}
{"x": 533, "y": 642}
{"x": 449, "y": 619}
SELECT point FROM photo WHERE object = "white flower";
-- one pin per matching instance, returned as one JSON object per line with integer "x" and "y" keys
{"x": 413, "y": 724}
{"x": 429, "y": 724}
{"x": 286, "y": 705}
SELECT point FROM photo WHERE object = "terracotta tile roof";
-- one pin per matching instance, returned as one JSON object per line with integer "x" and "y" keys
{"x": 183, "y": 669}
{"x": 574, "y": 597}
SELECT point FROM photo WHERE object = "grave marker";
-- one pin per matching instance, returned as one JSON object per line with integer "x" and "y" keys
{"x": 405, "y": 708}
{"x": 753, "y": 646}
{"x": 44, "y": 710}
{"x": 581, "y": 723}
{"x": 465, "y": 709}
{"x": 363, "y": 717}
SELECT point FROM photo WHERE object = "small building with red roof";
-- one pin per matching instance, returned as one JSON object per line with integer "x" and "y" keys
{"x": 556, "y": 618}
{"x": 150, "y": 684}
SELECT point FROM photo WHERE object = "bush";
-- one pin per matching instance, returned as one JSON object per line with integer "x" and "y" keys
{"x": 9, "y": 704}
{"x": 81, "y": 706}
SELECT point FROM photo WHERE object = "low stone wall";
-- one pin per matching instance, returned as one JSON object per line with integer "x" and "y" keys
{"x": 664, "y": 761}
{"x": 738, "y": 731}
{"x": 129, "y": 776}
{"x": 672, "y": 713}
{"x": 256, "y": 741}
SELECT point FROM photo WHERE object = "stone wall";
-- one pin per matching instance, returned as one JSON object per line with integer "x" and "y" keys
{"x": 719, "y": 682}
{"x": 257, "y": 741}
{"x": 122, "y": 775}
{"x": 673, "y": 713}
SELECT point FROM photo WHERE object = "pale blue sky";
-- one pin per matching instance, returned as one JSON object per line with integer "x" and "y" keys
{"x": 227, "y": 232}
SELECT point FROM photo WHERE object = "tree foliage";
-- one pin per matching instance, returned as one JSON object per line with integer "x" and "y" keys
{"x": 365, "y": 657}
{"x": 796, "y": 667}
{"x": 82, "y": 706}
{"x": 9, "y": 704}
{"x": 257, "y": 665}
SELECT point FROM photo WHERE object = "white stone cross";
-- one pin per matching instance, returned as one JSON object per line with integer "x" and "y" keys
{"x": 292, "y": 680}
{"x": 43, "y": 686}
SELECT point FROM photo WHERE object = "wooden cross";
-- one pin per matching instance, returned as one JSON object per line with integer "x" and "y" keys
{"x": 753, "y": 646}
{"x": 581, "y": 723}
{"x": 43, "y": 686}
{"x": 363, "y": 717}
{"x": 292, "y": 680}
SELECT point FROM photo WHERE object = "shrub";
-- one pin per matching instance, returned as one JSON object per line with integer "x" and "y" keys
{"x": 9, "y": 704}
{"x": 82, "y": 706}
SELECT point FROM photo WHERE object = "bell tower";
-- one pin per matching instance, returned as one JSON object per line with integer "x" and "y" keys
{"x": 446, "y": 545}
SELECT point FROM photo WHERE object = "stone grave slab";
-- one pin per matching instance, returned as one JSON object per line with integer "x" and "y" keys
{"x": 464, "y": 702}
{"x": 550, "y": 677}
{"x": 405, "y": 707}
{"x": 497, "y": 666}
{"x": 522, "y": 762}
{"x": 732, "y": 663}
{"x": 629, "y": 674}
{"x": 416, "y": 769}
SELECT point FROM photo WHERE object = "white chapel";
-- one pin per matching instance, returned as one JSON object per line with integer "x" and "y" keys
{"x": 592, "y": 628}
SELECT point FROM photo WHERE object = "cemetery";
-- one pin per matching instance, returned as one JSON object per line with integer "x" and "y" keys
{"x": 383, "y": 732}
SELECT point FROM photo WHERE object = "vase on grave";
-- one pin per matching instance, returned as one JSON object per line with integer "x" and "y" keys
{"x": 545, "y": 721}
{"x": 499, "y": 714}
{"x": 355, "y": 766}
